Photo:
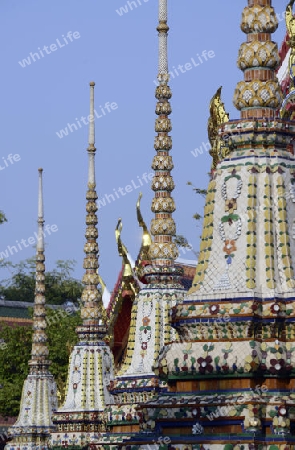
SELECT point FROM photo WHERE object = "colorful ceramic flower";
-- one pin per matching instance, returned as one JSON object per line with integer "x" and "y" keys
{"x": 205, "y": 365}
{"x": 214, "y": 309}
{"x": 229, "y": 246}
{"x": 275, "y": 308}
{"x": 145, "y": 321}
{"x": 277, "y": 365}
{"x": 230, "y": 205}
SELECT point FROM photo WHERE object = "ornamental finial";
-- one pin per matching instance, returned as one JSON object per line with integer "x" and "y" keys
{"x": 218, "y": 116}
{"x": 122, "y": 250}
{"x": 40, "y": 243}
{"x": 91, "y": 139}
{"x": 146, "y": 237}
{"x": 163, "y": 32}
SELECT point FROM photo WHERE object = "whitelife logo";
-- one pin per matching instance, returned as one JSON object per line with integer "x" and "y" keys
{"x": 25, "y": 243}
{"x": 104, "y": 110}
{"x": 9, "y": 160}
{"x": 48, "y": 49}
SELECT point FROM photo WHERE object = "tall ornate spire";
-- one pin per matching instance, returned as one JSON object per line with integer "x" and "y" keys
{"x": 150, "y": 324}
{"x": 237, "y": 314}
{"x": 92, "y": 311}
{"x": 39, "y": 401}
{"x": 259, "y": 95}
{"x": 91, "y": 361}
{"x": 163, "y": 251}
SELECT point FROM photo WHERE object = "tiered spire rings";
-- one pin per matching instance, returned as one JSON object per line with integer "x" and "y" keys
{"x": 163, "y": 251}
{"x": 39, "y": 361}
{"x": 259, "y": 95}
{"x": 92, "y": 311}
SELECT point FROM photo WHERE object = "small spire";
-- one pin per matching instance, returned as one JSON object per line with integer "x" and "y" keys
{"x": 39, "y": 400}
{"x": 39, "y": 347}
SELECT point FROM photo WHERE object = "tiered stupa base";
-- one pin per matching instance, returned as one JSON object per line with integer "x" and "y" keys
{"x": 80, "y": 420}
{"x": 136, "y": 382}
{"x": 34, "y": 425}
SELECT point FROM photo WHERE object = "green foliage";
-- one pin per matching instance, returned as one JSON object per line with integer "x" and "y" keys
{"x": 197, "y": 216}
{"x": 181, "y": 241}
{"x": 2, "y": 217}
{"x": 203, "y": 193}
{"x": 59, "y": 284}
{"x": 199, "y": 191}
{"x": 13, "y": 366}
{"x": 14, "y": 356}
{"x": 61, "y": 340}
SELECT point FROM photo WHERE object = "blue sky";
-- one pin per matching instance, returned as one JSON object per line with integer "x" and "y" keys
{"x": 119, "y": 52}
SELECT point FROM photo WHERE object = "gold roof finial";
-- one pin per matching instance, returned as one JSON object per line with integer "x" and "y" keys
{"x": 217, "y": 117}
{"x": 290, "y": 24}
{"x": 127, "y": 273}
{"x": 146, "y": 237}
{"x": 290, "y": 19}
{"x": 102, "y": 283}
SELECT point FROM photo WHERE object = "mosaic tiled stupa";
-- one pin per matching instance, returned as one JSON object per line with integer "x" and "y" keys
{"x": 80, "y": 420}
{"x": 159, "y": 275}
{"x": 230, "y": 369}
{"x": 212, "y": 368}
{"x": 39, "y": 399}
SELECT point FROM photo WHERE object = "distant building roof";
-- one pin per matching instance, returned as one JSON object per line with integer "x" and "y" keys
{"x": 17, "y": 313}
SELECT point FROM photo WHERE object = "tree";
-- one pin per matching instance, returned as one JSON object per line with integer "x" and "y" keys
{"x": 14, "y": 355}
{"x": 15, "y": 352}
{"x": 2, "y": 217}
{"x": 61, "y": 339}
{"x": 59, "y": 284}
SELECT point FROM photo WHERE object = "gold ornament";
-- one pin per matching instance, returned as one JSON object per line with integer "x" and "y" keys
{"x": 290, "y": 23}
{"x": 259, "y": 19}
{"x": 258, "y": 54}
{"x": 146, "y": 237}
{"x": 162, "y": 163}
{"x": 163, "y": 204}
{"x": 217, "y": 117}
{"x": 260, "y": 94}
{"x": 163, "y": 227}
